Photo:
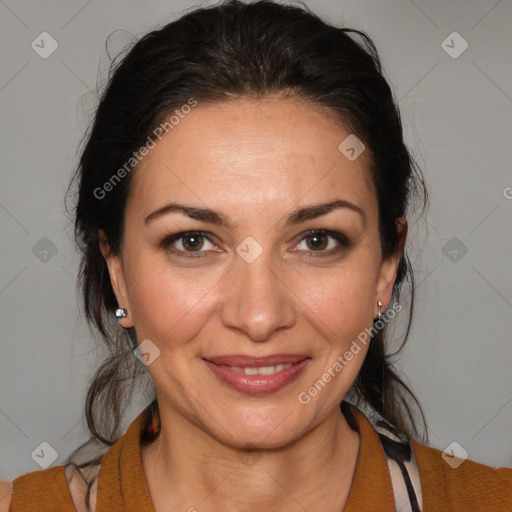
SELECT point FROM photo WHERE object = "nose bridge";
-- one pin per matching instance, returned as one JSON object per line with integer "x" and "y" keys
{"x": 257, "y": 301}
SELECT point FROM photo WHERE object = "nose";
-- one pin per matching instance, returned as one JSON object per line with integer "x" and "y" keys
{"x": 258, "y": 301}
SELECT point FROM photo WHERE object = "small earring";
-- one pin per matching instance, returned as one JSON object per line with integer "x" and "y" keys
{"x": 121, "y": 313}
{"x": 380, "y": 312}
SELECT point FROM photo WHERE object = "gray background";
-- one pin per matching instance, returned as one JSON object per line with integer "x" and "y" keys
{"x": 457, "y": 118}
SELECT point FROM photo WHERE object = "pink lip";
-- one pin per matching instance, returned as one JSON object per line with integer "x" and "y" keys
{"x": 257, "y": 384}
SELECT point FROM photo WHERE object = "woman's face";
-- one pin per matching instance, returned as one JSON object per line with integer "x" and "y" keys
{"x": 256, "y": 284}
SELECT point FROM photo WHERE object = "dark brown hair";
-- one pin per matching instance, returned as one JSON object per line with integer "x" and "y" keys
{"x": 236, "y": 50}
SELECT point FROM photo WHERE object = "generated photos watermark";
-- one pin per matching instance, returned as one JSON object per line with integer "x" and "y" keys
{"x": 167, "y": 126}
{"x": 304, "y": 397}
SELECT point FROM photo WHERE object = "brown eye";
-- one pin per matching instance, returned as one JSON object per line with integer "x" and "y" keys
{"x": 193, "y": 242}
{"x": 324, "y": 242}
{"x": 190, "y": 241}
{"x": 318, "y": 241}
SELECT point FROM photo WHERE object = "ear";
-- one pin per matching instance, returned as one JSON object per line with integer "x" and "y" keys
{"x": 389, "y": 268}
{"x": 117, "y": 280}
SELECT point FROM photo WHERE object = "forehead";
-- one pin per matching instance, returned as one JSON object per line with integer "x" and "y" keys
{"x": 270, "y": 152}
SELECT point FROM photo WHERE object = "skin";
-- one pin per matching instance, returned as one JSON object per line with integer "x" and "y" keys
{"x": 255, "y": 162}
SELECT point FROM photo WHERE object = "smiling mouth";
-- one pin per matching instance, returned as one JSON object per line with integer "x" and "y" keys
{"x": 258, "y": 375}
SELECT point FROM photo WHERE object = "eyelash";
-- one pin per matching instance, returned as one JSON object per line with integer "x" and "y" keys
{"x": 343, "y": 241}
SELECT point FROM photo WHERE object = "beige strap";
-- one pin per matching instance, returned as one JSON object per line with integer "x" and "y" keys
{"x": 402, "y": 501}
{"x": 78, "y": 482}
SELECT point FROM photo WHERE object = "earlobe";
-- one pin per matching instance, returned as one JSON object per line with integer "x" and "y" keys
{"x": 389, "y": 267}
{"x": 117, "y": 281}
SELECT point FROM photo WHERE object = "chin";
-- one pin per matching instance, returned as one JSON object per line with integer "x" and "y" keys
{"x": 263, "y": 432}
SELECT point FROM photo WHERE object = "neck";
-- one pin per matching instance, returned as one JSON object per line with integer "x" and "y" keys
{"x": 186, "y": 468}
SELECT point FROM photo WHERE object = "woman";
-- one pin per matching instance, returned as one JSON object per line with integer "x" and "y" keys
{"x": 241, "y": 213}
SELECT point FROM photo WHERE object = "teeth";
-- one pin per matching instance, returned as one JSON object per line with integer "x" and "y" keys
{"x": 264, "y": 370}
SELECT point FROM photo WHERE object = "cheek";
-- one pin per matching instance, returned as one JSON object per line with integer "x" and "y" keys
{"x": 169, "y": 303}
{"x": 340, "y": 301}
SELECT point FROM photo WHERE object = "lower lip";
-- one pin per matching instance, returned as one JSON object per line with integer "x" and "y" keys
{"x": 257, "y": 384}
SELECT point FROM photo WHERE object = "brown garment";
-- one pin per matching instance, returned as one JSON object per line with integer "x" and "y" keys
{"x": 122, "y": 485}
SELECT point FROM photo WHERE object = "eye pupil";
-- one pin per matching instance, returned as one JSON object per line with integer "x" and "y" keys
{"x": 195, "y": 242}
{"x": 317, "y": 242}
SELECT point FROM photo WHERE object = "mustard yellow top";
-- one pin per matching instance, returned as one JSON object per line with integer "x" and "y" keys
{"x": 122, "y": 484}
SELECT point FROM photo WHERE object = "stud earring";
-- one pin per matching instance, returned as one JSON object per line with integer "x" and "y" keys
{"x": 121, "y": 313}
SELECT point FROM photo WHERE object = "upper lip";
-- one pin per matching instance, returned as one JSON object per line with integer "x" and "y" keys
{"x": 247, "y": 361}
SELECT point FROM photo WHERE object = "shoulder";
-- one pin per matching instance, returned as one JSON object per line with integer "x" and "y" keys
{"x": 462, "y": 483}
{"x": 5, "y": 495}
{"x": 59, "y": 488}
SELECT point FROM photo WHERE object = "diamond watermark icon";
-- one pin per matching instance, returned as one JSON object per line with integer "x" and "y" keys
{"x": 351, "y": 147}
{"x": 454, "y": 249}
{"x": 45, "y": 455}
{"x": 44, "y": 250}
{"x": 454, "y": 454}
{"x": 249, "y": 249}
{"x": 454, "y": 45}
{"x": 249, "y": 458}
{"x": 44, "y": 45}
{"x": 146, "y": 352}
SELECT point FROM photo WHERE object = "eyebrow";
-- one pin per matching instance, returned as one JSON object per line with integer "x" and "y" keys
{"x": 213, "y": 217}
